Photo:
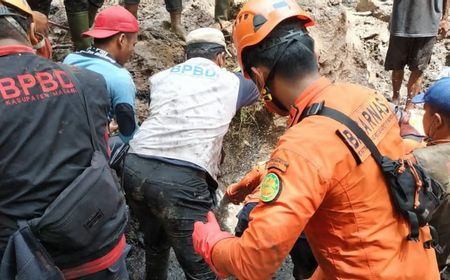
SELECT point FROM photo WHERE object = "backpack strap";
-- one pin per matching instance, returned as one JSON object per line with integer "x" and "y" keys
{"x": 414, "y": 226}
{"x": 321, "y": 110}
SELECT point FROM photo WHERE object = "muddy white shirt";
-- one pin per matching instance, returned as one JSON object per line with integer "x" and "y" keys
{"x": 191, "y": 107}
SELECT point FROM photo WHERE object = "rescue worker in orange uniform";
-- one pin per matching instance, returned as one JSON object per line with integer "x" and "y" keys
{"x": 321, "y": 179}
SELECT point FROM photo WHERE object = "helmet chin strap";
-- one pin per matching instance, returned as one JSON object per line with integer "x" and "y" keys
{"x": 286, "y": 41}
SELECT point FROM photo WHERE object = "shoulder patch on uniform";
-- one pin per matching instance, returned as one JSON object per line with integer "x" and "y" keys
{"x": 278, "y": 163}
{"x": 270, "y": 188}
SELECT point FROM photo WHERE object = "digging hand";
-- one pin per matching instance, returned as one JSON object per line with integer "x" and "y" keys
{"x": 237, "y": 192}
{"x": 205, "y": 236}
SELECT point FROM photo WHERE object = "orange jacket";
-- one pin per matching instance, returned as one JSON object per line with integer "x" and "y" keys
{"x": 344, "y": 208}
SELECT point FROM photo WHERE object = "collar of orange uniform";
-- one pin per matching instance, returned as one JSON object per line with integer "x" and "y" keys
{"x": 13, "y": 49}
{"x": 305, "y": 99}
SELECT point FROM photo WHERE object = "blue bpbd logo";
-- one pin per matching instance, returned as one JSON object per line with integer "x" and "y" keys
{"x": 280, "y": 4}
{"x": 193, "y": 70}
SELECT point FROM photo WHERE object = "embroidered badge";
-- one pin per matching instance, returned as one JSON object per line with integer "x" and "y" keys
{"x": 270, "y": 188}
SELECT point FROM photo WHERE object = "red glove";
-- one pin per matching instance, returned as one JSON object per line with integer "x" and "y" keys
{"x": 205, "y": 236}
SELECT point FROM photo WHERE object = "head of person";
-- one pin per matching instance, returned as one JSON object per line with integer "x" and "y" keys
{"x": 274, "y": 49}
{"x": 207, "y": 43}
{"x": 115, "y": 31}
{"x": 16, "y": 21}
{"x": 436, "y": 100}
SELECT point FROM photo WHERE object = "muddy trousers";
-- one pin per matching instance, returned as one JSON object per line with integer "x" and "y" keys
{"x": 304, "y": 262}
{"x": 167, "y": 199}
{"x": 174, "y": 5}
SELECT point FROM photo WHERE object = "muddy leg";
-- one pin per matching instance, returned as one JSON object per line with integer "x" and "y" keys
{"x": 397, "y": 79}
{"x": 174, "y": 7}
{"x": 414, "y": 86}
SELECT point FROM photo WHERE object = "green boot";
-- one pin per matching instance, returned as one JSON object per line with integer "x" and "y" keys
{"x": 79, "y": 23}
{"x": 92, "y": 13}
{"x": 221, "y": 10}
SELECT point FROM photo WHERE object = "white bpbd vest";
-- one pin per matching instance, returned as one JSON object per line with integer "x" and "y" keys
{"x": 191, "y": 107}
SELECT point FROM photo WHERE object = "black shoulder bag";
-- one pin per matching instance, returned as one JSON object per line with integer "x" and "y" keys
{"x": 26, "y": 258}
{"x": 414, "y": 194}
{"x": 89, "y": 214}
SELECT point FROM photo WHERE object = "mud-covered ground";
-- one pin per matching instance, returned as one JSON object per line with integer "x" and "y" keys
{"x": 351, "y": 41}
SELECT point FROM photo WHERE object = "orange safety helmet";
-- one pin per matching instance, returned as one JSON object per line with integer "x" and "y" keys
{"x": 19, "y": 5}
{"x": 258, "y": 18}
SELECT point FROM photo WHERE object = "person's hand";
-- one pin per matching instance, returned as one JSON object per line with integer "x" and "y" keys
{"x": 40, "y": 23}
{"x": 113, "y": 126}
{"x": 236, "y": 193}
{"x": 205, "y": 236}
{"x": 443, "y": 29}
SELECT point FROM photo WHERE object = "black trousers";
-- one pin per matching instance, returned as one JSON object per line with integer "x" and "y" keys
{"x": 174, "y": 5}
{"x": 167, "y": 199}
{"x": 72, "y": 6}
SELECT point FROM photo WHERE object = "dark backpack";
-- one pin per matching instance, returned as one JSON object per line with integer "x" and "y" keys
{"x": 415, "y": 195}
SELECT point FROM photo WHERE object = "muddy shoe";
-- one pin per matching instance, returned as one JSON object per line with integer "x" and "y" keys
{"x": 179, "y": 31}
{"x": 176, "y": 26}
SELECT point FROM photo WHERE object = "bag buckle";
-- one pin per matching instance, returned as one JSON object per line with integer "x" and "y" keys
{"x": 315, "y": 109}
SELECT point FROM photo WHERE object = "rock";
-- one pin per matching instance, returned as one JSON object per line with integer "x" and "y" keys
{"x": 378, "y": 8}
{"x": 370, "y": 36}
{"x": 365, "y": 6}
{"x": 350, "y": 3}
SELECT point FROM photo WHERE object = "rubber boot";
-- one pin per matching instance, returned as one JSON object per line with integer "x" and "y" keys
{"x": 92, "y": 13}
{"x": 79, "y": 23}
{"x": 176, "y": 26}
{"x": 221, "y": 10}
{"x": 132, "y": 8}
